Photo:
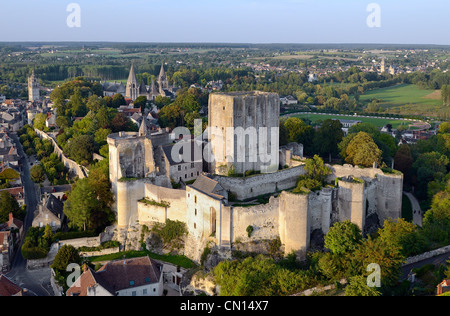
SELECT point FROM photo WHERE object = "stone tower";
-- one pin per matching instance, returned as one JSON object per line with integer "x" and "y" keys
{"x": 132, "y": 89}
{"x": 383, "y": 65}
{"x": 33, "y": 88}
{"x": 163, "y": 81}
{"x": 244, "y": 132}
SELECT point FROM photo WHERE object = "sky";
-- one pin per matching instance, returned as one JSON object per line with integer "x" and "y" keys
{"x": 230, "y": 21}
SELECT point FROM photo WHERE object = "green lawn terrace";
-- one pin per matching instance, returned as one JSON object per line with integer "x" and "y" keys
{"x": 378, "y": 121}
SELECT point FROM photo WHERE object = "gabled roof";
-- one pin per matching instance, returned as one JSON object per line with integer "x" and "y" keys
{"x": 119, "y": 275}
{"x": 195, "y": 147}
{"x": 208, "y": 186}
{"x": 8, "y": 288}
{"x": 55, "y": 206}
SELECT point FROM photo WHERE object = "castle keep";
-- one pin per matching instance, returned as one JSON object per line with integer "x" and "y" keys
{"x": 140, "y": 174}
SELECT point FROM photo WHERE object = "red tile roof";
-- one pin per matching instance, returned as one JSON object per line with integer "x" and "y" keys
{"x": 118, "y": 275}
{"x": 8, "y": 288}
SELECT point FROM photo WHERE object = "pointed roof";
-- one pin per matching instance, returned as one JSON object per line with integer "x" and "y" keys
{"x": 162, "y": 73}
{"x": 153, "y": 87}
{"x": 143, "y": 128}
{"x": 132, "y": 75}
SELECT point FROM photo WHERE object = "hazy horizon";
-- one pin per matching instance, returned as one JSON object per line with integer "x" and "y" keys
{"x": 229, "y": 22}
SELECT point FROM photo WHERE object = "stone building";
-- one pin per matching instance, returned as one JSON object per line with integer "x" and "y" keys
{"x": 33, "y": 88}
{"x": 133, "y": 89}
{"x": 244, "y": 131}
{"x": 130, "y": 277}
{"x": 219, "y": 208}
{"x": 50, "y": 212}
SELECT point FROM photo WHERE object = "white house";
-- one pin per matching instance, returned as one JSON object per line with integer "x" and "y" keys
{"x": 125, "y": 277}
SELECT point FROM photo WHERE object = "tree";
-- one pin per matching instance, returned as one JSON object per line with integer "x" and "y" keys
{"x": 403, "y": 161}
{"x": 8, "y": 204}
{"x": 88, "y": 205}
{"x": 387, "y": 255}
{"x": 81, "y": 148}
{"x": 436, "y": 222}
{"x": 402, "y": 234}
{"x": 363, "y": 151}
{"x": 343, "y": 237}
{"x": 161, "y": 101}
{"x": 94, "y": 103}
{"x": 327, "y": 138}
{"x": 39, "y": 121}
{"x": 357, "y": 286}
{"x": 37, "y": 174}
{"x": 140, "y": 102}
{"x": 316, "y": 169}
{"x": 65, "y": 256}
{"x": 81, "y": 201}
{"x": 118, "y": 100}
{"x": 426, "y": 167}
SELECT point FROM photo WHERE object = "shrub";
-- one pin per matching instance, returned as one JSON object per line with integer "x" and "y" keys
{"x": 249, "y": 230}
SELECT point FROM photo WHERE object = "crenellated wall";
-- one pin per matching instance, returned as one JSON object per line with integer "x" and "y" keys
{"x": 291, "y": 217}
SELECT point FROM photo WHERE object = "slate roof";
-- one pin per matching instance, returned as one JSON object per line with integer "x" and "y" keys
{"x": 208, "y": 186}
{"x": 119, "y": 275}
{"x": 55, "y": 206}
{"x": 194, "y": 146}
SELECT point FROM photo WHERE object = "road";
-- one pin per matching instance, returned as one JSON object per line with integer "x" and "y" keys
{"x": 416, "y": 210}
{"x": 437, "y": 260}
{"x": 36, "y": 281}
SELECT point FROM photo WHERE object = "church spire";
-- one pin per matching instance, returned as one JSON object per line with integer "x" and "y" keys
{"x": 162, "y": 73}
{"x": 143, "y": 128}
{"x": 132, "y": 88}
{"x": 132, "y": 75}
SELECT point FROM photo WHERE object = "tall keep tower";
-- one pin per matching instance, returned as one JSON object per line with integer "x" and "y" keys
{"x": 33, "y": 88}
{"x": 244, "y": 131}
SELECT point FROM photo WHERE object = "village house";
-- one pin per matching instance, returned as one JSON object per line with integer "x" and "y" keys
{"x": 9, "y": 288}
{"x": 130, "y": 277}
{"x": 49, "y": 212}
{"x": 443, "y": 287}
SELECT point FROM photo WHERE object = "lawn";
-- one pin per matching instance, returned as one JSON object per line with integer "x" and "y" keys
{"x": 408, "y": 99}
{"x": 178, "y": 260}
{"x": 402, "y": 94}
{"x": 379, "y": 122}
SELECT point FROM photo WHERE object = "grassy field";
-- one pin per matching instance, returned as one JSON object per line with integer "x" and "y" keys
{"x": 408, "y": 99}
{"x": 403, "y": 94}
{"x": 375, "y": 121}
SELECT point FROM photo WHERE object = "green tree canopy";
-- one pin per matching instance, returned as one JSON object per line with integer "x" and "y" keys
{"x": 363, "y": 151}
{"x": 8, "y": 204}
{"x": 66, "y": 255}
{"x": 343, "y": 237}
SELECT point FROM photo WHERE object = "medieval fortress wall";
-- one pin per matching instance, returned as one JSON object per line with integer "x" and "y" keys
{"x": 142, "y": 196}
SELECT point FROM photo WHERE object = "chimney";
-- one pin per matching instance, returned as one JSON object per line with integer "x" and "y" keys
{"x": 10, "y": 217}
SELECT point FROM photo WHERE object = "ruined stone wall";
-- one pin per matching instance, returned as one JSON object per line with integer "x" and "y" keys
{"x": 253, "y": 186}
{"x": 263, "y": 218}
{"x": 389, "y": 191}
{"x": 352, "y": 202}
{"x": 294, "y": 223}
{"x": 72, "y": 166}
{"x": 154, "y": 213}
{"x": 320, "y": 208}
{"x": 128, "y": 193}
